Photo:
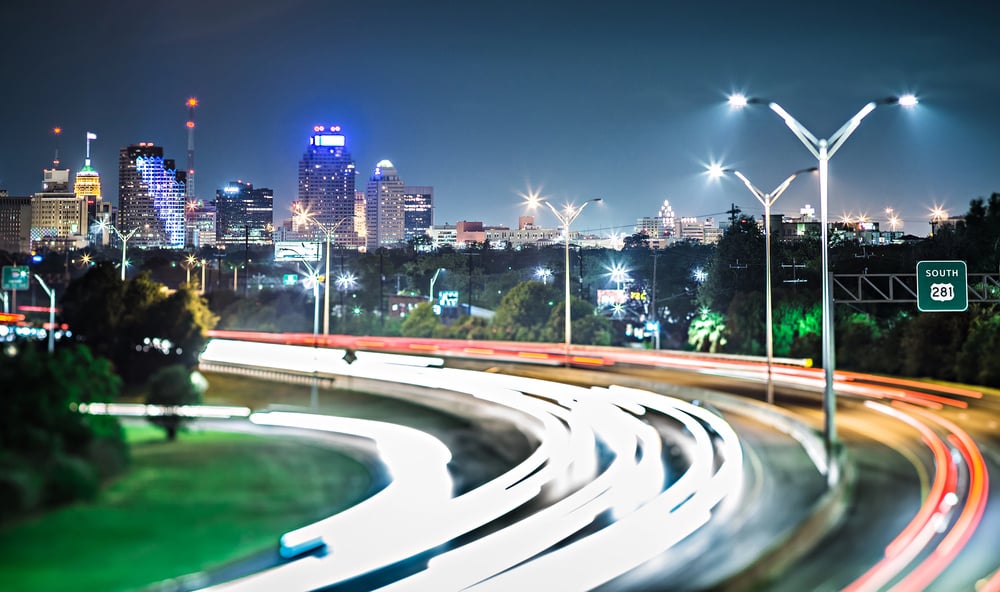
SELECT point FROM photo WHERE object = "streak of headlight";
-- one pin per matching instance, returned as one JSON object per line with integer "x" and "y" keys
{"x": 975, "y": 504}
{"x": 141, "y": 410}
{"x": 502, "y": 549}
{"x": 623, "y": 485}
{"x": 918, "y": 533}
{"x": 645, "y": 533}
{"x": 417, "y": 528}
{"x": 417, "y": 464}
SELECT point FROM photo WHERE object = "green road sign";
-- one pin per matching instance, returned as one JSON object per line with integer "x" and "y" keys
{"x": 942, "y": 286}
{"x": 16, "y": 277}
{"x": 290, "y": 279}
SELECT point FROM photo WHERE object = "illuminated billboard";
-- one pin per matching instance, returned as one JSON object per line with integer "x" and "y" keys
{"x": 297, "y": 251}
{"x": 328, "y": 140}
{"x": 611, "y": 297}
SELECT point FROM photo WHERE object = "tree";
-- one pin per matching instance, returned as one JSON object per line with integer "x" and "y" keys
{"x": 138, "y": 324}
{"x": 931, "y": 342}
{"x": 736, "y": 266}
{"x": 525, "y": 311}
{"x": 50, "y": 453}
{"x": 639, "y": 240}
{"x": 586, "y": 327}
{"x": 174, "y": 386}
{"x": 707, "y": 332}
{"x": 422, "y": 322}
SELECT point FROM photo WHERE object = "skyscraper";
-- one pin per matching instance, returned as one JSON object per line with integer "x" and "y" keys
{"x": 88, "y": 188}
{"x": 326, "y": 182}
{"x": 418, "y": 210}
{"x": 150, "y": 197}
{"x": 15, "y": 223}
{"x": 384, "y": 212}
{"x": 244, "y": 214}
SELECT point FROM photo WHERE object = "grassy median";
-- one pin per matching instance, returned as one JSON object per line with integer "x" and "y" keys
{"x": 202, "y": 501}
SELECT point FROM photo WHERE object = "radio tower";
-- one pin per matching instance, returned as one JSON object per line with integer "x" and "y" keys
{"x": 191, "y": 104}
{"x": 56, "y": 131}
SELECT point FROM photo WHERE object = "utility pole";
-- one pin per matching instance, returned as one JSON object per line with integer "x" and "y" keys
{"x": 795, "y": 275}
{"x": 733, "y": 212}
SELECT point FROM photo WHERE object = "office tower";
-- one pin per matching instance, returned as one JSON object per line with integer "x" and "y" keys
{"x": 88, "y": 188}
{"x": 384, "y": 214}
{"x": 200, "y": 224}
{"x": 244, "y": 214}
{"x": 418, "y": 211}
{"x": 150, "y": 197}
{"x": 326, "y": 183}
{"x": 668, "y": 220}
{"x": 58, "y": 216}
{"x": 15, "y": 223}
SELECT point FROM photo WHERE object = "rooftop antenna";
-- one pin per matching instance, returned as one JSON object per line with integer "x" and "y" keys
{"x": 56, "y": 131}
{"x": 191, "y": 104}
{"x": 90, "y": 136}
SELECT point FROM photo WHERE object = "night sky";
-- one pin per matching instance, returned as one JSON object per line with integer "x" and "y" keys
{"x": 483, "y": 100}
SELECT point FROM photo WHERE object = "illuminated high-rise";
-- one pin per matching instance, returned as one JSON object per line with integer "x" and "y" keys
{"x": 87, "y": 187}
{"x": 384, "y": 211}
{"x": 244, "y": 214}
{"x": 418, "y": 208}
{"x": 151, "y": 197}
{"x": 326, "y": 183}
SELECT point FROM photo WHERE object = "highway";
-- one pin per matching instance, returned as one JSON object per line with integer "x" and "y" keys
{"x": 616, "y": 468}
{"x": 910, "y": 511}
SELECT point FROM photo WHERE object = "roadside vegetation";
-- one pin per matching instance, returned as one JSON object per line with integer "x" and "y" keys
{"x": 207, "y": 499}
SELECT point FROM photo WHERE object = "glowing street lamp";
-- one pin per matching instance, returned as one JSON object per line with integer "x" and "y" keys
{"x": 306, "y": 217}
{"x": 189, "y": 262}
{"x": 767, "y": 200}
{"x": 566, "y": 216}
{"x": 938, "y": 214}
{"x": 345, "y": 281}
{"x": 824, "y": 149}
{"x": 105, "y": 225}
{"x": 894, "y": 221}
{"x": 618, "y": 273}
{"x": 543, "y": 273}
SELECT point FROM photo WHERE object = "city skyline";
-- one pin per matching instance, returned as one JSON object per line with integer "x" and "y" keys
{"x": 484, "y": 103}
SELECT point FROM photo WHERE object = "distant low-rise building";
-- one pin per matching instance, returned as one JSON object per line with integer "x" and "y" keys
{"x": 58, "y": 215}
{"x": 699, "y": 231}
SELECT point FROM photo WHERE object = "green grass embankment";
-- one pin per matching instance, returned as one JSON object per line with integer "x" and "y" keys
{"x": 202, "y": 501}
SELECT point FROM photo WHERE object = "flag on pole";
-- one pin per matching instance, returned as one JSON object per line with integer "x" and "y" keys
{"x": 91, "y": 136}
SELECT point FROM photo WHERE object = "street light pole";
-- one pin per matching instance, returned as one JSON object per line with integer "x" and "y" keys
{"x": 124, "y": 238}
{"x": 430, "y": 296}
{"x": 767, "y": 200}
{"x": 824, "y": 149}
{"x": 52, "y": 312}
{"x": 566, "y": 217}
{"x": 307, "y": 218}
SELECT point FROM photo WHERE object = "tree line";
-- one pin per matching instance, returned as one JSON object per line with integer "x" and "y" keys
{"x": 884, "y": 338}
